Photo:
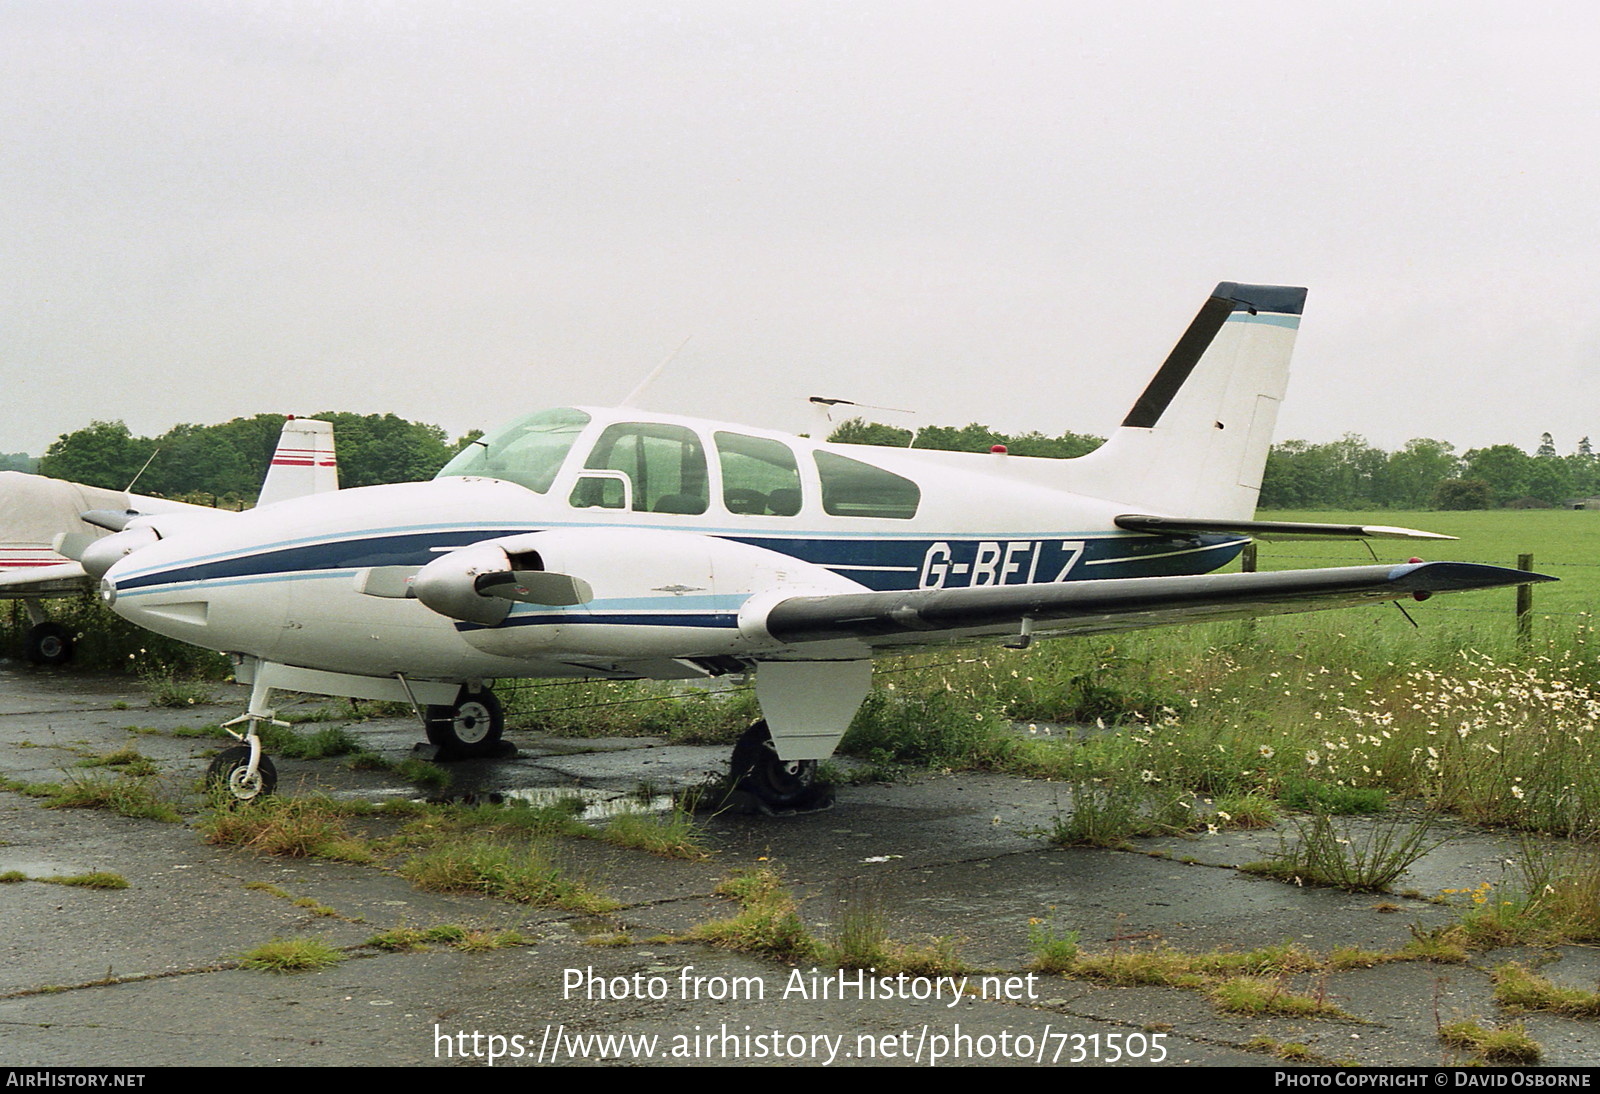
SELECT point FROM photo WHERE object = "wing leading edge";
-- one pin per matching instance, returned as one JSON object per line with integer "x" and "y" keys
{"x": 1086, "y": 607}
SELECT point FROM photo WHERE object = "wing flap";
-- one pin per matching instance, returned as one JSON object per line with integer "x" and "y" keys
{"x": 1086, "y": 607}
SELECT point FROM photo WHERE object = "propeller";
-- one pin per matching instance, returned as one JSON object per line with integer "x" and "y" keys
{"x": 460, "y": 592}
{"x": 535, "y": 587}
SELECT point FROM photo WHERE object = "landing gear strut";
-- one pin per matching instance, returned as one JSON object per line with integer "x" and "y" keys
{"x": 469, "y": 729}
{"x": 244, "y": 773}
{"x": 776, "y": 785}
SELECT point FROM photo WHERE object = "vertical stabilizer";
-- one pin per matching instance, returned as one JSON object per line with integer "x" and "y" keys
{"x": 303, "y": 464}
{"x": 1196, "y": 441}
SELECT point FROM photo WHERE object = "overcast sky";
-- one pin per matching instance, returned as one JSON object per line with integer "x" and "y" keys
{"x": 1000, "y": 212}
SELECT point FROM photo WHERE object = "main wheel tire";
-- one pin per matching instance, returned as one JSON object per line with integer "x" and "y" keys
{"x": 471, "y": 728}
{"x": 757, "y": 770}
{"x": 48, "y": 644}
{"x": 228, "y": 776}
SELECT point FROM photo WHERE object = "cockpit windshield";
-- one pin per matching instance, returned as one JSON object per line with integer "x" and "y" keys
{"x": 527, "y": 452}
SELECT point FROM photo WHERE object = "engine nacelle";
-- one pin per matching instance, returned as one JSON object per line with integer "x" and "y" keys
{"x": 645, "y": 592}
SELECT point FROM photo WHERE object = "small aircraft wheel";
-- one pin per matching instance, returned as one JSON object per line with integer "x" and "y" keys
{"x": 48, "y": 644}
{"x": 469, "y": 729}
{"x": 228, "y": 776}
{"x": 757, "y": 770}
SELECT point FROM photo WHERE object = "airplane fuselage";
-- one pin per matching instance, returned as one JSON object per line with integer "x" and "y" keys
{"x": 284, "y": 583}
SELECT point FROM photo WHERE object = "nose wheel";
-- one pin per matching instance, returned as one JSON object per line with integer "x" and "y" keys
{"x": 231, "y": 778}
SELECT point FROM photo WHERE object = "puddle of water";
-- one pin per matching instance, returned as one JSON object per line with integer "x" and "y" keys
{"x": 597, "y": 804}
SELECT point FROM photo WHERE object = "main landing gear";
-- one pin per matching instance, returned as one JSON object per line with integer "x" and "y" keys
{"x": 468, "y": 729}
{"x": 47, "y": 644}
{"x": 761, "y": 782}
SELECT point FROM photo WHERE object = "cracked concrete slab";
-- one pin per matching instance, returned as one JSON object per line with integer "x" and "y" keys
{"x": 148, "y": 975}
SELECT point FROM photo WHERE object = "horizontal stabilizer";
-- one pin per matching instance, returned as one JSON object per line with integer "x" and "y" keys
{"x": 1088, "y": 607}
{"x": 1269, "y": 529}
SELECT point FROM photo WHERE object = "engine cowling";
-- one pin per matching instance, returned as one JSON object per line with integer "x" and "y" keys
{"x": 613, "y": 592}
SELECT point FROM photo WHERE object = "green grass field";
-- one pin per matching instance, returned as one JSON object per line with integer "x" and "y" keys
{"x": 1564, "y": 544}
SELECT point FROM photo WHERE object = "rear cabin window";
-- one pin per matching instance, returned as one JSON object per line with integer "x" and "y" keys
{"x": 851, "y": 488}
{"x": 665, "y": 466}
{"x": 759, "y": 476}
{"x": 527, "y": 452}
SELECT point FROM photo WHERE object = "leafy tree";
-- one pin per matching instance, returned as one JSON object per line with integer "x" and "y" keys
{"x": 103, "y": 454}
{"x": 1463, "y": 494}
{"x": 1415, "y": 472}
{"x": 1547, "y": 447}
{"x": 969, "y": 438}
{"x": 383, "y": 448}
{"x": 861, "y": 431}
{"x": 1505, "y": 467}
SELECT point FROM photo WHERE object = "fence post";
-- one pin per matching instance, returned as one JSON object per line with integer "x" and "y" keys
{"x": 1525, "y": 602}
{"x": 1247, "y": 558}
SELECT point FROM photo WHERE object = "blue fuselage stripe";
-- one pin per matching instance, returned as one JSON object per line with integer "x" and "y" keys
{"x": 882, "y": 564}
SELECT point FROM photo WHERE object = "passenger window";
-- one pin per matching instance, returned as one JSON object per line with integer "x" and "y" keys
{"x": 854, "y": 489}
{"x": 666, "y": 465}
{"x": 759, "y": 476}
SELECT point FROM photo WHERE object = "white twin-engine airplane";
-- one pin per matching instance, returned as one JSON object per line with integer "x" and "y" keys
{"x": 588, "y": 542}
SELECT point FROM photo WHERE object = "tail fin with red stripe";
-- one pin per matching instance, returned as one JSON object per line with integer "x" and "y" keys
{"x": 303, "y": 464}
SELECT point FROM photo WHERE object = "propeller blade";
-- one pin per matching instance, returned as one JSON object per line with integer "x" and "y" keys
{"x": 389, "y": 582}
{"x": 72, "y": 544}
{"x": 535, "y": 587}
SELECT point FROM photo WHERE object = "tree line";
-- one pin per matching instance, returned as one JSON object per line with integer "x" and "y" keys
{"x": 224, "y": 464}
{"x": 1345, "y": 474}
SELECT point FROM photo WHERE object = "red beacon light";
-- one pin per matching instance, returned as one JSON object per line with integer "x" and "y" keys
{"x": 998, "y": 449}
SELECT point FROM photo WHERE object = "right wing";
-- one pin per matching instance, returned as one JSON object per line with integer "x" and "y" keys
{"x": 930, "y": 616}
{"x": 59, "y": 579}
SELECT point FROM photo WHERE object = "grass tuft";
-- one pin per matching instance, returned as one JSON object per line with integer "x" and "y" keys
{"x": 124, "y": 795}
{"x": 521, "y": 873}
{"x": 293, "y": 827}
{"x": 1258, "y": 995}
{"x": 768, "y": 920}
{"x": 291, "y": 955}
{"x": 670, "y": 835}
{"x": 1518, "y": 989}
{"x": 1336, "y": 856}
{"x": 1500, "y": 1045}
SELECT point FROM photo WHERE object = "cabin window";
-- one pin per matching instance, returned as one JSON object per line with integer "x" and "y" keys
{"x": 527, "y": 452}
{"x": 665, "y": 467}
{"x": 759, "y": 476}
{"x": 851, "y": 488}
